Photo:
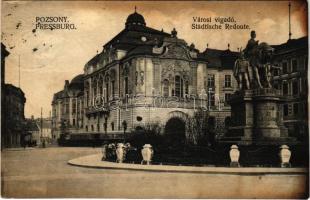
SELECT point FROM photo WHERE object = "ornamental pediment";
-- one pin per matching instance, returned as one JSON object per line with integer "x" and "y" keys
{"x": 176, "y": 51}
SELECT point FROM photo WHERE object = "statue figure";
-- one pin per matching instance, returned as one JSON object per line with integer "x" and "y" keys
{"x": 251, "y": 45}
{"x": 259, "y": 57}
{"x": 241, "y": 71}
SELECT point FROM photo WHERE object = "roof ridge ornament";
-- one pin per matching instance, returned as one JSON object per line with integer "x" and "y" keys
{"x": 174, "y": 33}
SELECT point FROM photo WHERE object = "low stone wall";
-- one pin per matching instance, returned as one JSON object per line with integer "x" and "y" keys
{"x": 215, "y": 182}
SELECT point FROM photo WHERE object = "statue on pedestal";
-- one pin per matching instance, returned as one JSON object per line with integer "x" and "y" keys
{"x": 241, "y": 72}
{"x": 259, "y": 55}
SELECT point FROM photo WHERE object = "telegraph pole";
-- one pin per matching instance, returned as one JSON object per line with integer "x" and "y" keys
{"x": 19, "y": 71}
{"x": 41, "y": 126}
{"x": 289, "y": 20}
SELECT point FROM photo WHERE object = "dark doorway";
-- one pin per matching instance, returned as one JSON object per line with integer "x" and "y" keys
{"x": 175, "y": 131}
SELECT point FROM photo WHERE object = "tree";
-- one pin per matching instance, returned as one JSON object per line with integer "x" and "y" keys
{"x": 198, "y": 127}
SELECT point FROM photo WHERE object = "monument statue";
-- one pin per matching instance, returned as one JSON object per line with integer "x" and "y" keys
{"x": 256, "y": 111}
{"x": 241, "y": 72}
{"x": 259, "y": 55}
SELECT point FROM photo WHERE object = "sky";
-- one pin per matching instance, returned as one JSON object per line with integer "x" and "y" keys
{"x": 49, "y": 57}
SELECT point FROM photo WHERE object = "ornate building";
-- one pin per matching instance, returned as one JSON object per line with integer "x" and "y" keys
{"x": 145, "y": 76}
{"x": 291, "y": 79}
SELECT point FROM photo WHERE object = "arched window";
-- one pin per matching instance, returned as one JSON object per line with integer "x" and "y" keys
{"x": 178, "y": 86}
{"x": 126, "y": 90}
{"x": 166, "y": 88}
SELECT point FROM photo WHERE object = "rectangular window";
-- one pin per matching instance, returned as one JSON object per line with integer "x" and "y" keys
{"x": 295, "y": 88}
{"x": 285, "y": 110}
{"x": 73, "y": 107}
{"x": 290, "y": 109}
{"x": 186, "y": 87}
{"x": 178, "y": 86}
{"x": 211, "y": 80}
{"x": 295, "y": 108}
{"x": 294, "y": 65}
{"x": 276, "y": 85}
{"x": 212, "y": 99}
{"x": 113, "y": 88}
{"x": 166, "y": 88}
{"x": 284, "y": 68}
{"x": 73, "y": 122}
{"x": 126, "y": 86}
{"x": 112, "y": 126}
{"x": 275, "y": 72}
{"x": 227, "y": 97}
{"x": 285, "y": 88}
{"x": 227, "y": 80}
{"x": 107, "y": 92}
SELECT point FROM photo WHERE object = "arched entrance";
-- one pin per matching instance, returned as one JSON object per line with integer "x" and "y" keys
{"x": 175, "y": 131}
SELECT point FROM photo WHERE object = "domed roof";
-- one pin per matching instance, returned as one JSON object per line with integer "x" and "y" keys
{"x": 77, "y": 82}
{"x": 135, "y": 18}
{"x": 77, "y": 79}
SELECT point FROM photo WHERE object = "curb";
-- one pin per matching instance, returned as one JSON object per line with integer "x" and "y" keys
{"x": 94, "y": 161}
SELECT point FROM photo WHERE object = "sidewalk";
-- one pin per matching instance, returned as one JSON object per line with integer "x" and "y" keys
{"x": 19, "y": 149}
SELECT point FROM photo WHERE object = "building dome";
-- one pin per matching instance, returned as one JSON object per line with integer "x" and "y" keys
{"x": 135, "y": 19}
{"x": 77, "y": 82}
{"x": 77, "y": 79}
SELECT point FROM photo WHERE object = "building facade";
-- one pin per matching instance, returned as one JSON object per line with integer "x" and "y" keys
{"x": 220, "y": 84}
{"x": 14, "y": 119}
{"x": 292, "y": 80}
{"x": 145, "y": 76}
{"x": 12, "y": 110}
{"x": 68, "y": 108}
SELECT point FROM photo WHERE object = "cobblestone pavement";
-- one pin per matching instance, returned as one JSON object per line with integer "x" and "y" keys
{"x": 45, "y": 173}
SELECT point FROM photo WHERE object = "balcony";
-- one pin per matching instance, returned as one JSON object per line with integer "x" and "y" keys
{"x": 96, "y": 109}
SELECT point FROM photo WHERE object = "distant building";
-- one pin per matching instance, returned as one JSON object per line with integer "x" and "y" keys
{"x": 292, "y": 80}
{"x": 33, "y": 132}
{"x": 38, "y": 130}
{"x": 46, "y": 127}
{"x": 68, "y": 108}
{"x": 14, "y": 119}
{"x": 220, "y": 84}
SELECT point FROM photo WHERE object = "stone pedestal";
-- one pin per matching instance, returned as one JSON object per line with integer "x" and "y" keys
{"x": 257, "y": 119}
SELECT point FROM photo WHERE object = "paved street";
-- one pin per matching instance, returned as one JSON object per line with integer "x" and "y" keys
{"x": 45, "y": 173}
